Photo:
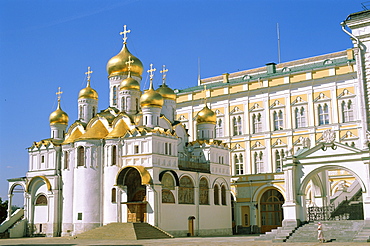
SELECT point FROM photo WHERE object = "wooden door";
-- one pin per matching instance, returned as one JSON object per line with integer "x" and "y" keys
{"x": 136, "y": 212}
{"x": 271, "y": 210}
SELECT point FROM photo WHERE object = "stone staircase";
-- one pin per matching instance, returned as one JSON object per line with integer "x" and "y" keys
{"x": 278, "y": 235}
{"x": 128, "y": 231}
{"x": 338, "y": 231}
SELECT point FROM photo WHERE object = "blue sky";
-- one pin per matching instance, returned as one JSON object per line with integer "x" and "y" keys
{"x": 47, "y": 44}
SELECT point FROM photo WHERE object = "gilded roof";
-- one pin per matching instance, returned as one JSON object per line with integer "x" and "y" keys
{"x": 73, "y": 136}
{"x": 97, "y": 131}
{"x": 119, "y": 130}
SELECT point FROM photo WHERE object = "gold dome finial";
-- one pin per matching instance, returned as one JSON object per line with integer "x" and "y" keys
{"x": 164, "y": 90}
{"x": 164, "y": 73}
{"x": 206, "y": 115}
{"x": 58, "y": 116}
{"x": 88, "y": 75}
{"x": 129, "y": 83}
{"x": 151, "y": 98}
{"x": 129, "y": 62}
{"x": 151, "y": 75}
{"x": 124, "y": 34}
{"x": 88, "y": 92}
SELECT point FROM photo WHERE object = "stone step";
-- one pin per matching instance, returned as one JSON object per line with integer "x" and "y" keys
{"x": 128, "y": 231}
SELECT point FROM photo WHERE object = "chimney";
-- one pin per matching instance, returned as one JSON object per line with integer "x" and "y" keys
{"x": 271, "y": 67}
{"x": 225, "y": 78}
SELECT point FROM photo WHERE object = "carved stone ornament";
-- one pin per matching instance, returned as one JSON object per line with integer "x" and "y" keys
{"x": 306, "y": 142}
{"x": 328, "y": 136}
{"x": 367, "y": 140}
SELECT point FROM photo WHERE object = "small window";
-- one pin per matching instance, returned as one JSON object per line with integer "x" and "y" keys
{"x": 66, "y": 157}
{"x": 41, "y": 200}
{"x": 42, "y": 159}
{"x": 114, "y": 195}
{"x": 80, "y": 156}
{"x": 79, "y": 216}
{"x": 114, "y": 155}
{"x": 216, "y": 193}
{"x": 136, "y": 149}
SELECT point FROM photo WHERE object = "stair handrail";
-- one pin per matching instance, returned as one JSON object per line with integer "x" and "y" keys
{"x": 346, "y": 195}
{"x": 9, "y": 222}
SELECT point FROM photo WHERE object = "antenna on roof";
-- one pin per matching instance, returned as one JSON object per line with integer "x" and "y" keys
{"x": 365, "y": 5}
{"x": 278, "y": 37}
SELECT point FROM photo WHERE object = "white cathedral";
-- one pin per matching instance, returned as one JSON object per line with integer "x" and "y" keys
{"x": 131, "y": 162}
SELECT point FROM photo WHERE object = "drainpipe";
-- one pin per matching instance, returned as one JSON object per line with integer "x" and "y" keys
{"x": 362, "y": 80}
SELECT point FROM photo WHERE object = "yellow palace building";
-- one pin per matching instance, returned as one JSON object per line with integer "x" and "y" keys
{"x": 298, "y": 133}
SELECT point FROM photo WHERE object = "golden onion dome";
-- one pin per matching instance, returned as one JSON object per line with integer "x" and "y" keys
{"x": 151, "y": 98}
{"x": 129, "y": 84}
{"x": 88, "y": 92}
{"x": 166, "y": 92}
{"x": 58, "y": 117}
{"x": 117, "y": 65}
{"x": 206, "y": 115}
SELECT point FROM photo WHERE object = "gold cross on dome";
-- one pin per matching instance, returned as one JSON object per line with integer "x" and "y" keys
{"x": 163, "y": 72}
{"x": 125, "y": 31}
{"x": 88, "y": 74}
{"x": 59, "y": 93}
{"x": 129, "y": 62}
{"x": 151, "y": 71}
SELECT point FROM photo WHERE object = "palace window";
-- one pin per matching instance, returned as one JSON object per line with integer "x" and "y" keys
{"x": 216, "y": 193}
{"x": 257, "y": 123}
{"x": 279, "y": 156}
{"x": 114, "y": 95}
{"x": 278, "y": 120}
{"x": 258, "y": 162}
{"x": 203, "y": 192}
{"x": 80, "y": 156}
{"x": 114, "y": 155}
{"x": 347, "y": 111}
{"x": 237, "y": 125}
{"x": 219, "y": 128}
{"x": 323, "y": 111}
{"x": 223, "y": 195}
{"x": 238, "y": 160}
{"x": 300, "y": 117}
{"x": 186, "y": 191}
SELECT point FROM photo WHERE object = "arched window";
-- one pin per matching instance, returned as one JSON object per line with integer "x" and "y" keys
{"x": 219, "y": 128}
{"x": 216, "y": 194}
{"x": 186, "y": 191}
{"x": 258, "y": 162}
{"x": 347, "y": 111}
{"x": 81, "y": 112}
{"x": 223, "y": 195}
{"x": 279, "y": 156}
{"x": 114, "y": 155}
{"x": 114, "y": 95}
{"x": 323, "y": 111}
{"x": 80, "y": 156}
{"x": 237, "y": 125}
{"x": 114, "y": 195}
{"x": 203, "y": 192}
{"x": 168, "y": 185}
{"x": 300, "y": 117}
{"x": 239, "y": 167}
{"x": 257, "y": 123}
{"x": 278, "y": 120}
{"x": 41, "y": 200}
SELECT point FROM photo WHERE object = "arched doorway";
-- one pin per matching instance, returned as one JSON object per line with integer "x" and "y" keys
{"x": 130, "y": 182}
{"x": 271, "y": 210}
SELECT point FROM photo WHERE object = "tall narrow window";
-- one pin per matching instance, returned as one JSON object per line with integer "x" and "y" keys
{"x": 223, "y": 195}
{"x": 238, "y": 160}
{"x": 166, "y": 148}
{"x": 114, "y": 95}
{"x": 219, "y": 128}
{"x": 347, "y": 111}
{"x": 216, "y": 194}
{"x": 257, "y": 123}
{"x": 279, "y": 156}
{"x": 66, "y": 157}
{"x": 123, "y": 106}
{"x": 237, "y": 125}
{"x": 114, "y": 155}
{"x": 258, "y": 162}
{"x": 93, "y": 112}
{"x": 80, "y": 156}
{"x": 81, "y": 112}
{"x": 186, "y": 191}
{"x": 323, "y": 111}
{"x": 278, "y": 120}
{"x": 114, "y": 195}
{"x": 137, "y": 104}
{"x": 300, "y": 117}
{"x": 169, "y": 149}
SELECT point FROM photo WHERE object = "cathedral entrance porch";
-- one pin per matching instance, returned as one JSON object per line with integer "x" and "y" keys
{"x": 136, "y": 211}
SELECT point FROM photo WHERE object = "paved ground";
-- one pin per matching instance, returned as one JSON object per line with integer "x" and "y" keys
{"x": 193, "y": 241}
